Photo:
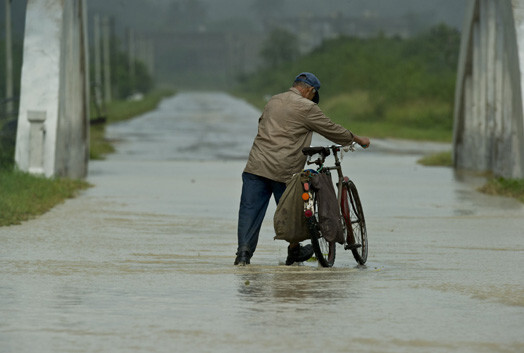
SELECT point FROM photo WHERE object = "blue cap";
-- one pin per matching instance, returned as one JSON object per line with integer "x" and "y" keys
{"x": 309, "y": 78}
{"x": 312, "y": 80}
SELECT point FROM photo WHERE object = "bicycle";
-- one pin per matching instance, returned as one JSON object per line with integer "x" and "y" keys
{"x": 351, "y": 214}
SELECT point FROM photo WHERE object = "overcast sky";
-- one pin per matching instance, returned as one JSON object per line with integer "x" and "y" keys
{"x": 145, "y": 15}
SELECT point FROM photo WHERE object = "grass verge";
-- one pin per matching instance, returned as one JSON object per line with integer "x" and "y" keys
{"x": 379, "y": 87}
{"x": 441, "y": 159}
{"x": 505, "y": 187}
{"x": 417, "y": 120}
{"x": 23, "y": 195}
{"x": 495, "y": 186}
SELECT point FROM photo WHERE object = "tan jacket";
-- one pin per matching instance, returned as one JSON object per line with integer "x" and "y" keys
{"x": 285, "y": 127}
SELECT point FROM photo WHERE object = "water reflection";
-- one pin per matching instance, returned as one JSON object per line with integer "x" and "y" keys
{"x": 69, "y": 296}
{"x": 289, "y": 285}
{"x": 469, "y": 201}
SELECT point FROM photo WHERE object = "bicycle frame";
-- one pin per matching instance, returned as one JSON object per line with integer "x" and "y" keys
{"x": 341, "y": 196}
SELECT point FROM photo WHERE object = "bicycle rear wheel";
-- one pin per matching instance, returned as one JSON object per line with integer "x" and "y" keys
{"x": 356, "y": 235}
{"x": 325, "y": 251}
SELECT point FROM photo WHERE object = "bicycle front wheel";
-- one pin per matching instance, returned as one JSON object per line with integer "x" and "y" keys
{"x": 356, "y": 235}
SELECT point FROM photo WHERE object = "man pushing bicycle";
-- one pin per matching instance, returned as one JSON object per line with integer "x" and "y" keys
{"x": 284, "y": 129}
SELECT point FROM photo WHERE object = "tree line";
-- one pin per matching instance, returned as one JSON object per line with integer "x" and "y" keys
{"x": 388, "y": 81}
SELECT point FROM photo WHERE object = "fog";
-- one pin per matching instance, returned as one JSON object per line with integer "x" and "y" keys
{"x": 154, "y": 14}
{"x": 189, "y": 41}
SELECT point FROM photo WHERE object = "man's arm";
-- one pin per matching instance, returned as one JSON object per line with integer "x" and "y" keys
{"x": 321, "y": 124}
{"x": 361, "y": 140}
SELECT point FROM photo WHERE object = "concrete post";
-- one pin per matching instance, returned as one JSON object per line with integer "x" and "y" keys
{"x": 53, "y": 121}
{"x": 144, "y": 52}
{"x": 8, "y": 60}
{"x": 106, "y": 37}
{"x": 489, "y": 119}
{"x": 98, "y": 60}
{"x": 131, "y": 53}
{"x": 150, "y": 58}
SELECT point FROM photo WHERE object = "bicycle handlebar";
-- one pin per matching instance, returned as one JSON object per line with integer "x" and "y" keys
{"x": 324, "y": 151}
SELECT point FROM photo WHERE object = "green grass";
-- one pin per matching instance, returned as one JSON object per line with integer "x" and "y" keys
{"x": 23, "y": 196}
{"x": 505, "y": 187}
{"x": 417, "y": 119}
{"x": 495, "y": 186}
{"x": 441, "y": 159}
{"x": 99, "y": 145}
{"x": 422, "y": 120}
{"x": 378, "y": 87}
{"x": 382, "y": 88}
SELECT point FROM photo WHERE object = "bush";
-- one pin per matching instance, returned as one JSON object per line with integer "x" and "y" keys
{"x": 390, "y": 87}
{"x": 280, "y": 47}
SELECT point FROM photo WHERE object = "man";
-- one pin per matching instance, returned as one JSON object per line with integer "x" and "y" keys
{"x": 285, "y": 127}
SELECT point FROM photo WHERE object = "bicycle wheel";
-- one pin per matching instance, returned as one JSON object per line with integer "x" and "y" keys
{"x": 325, "y": 251}
{"x": 356, "y": 235}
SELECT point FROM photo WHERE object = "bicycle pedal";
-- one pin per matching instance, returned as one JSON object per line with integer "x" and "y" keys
{"x": 352, "y": 247}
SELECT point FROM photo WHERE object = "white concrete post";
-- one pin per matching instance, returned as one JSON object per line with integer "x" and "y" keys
{"x": 489, "y": 96}
{"x": 53, "y": 121}
{"x": 107, "y": 59}
{"x": 150, "y": 58}
{"x": 98, "y": 59}
{"x": 8, "y": 59}
{"x": 131, "y": 52}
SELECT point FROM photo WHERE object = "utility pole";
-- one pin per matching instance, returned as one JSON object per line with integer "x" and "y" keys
{"x": 145, "y": 52}
{"x": 107, "y": 59}
{"x": 8, "y": 60}
{"x": 151, "y": 57}
{"x": 98, "y": 60}
{"x": 132, "y": 57}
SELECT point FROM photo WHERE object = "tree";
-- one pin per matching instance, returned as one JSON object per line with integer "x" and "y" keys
{"x": 124, "y": 84}
{"x": 280, "y": 47}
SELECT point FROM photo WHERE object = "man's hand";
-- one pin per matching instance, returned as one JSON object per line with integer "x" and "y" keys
{"x": 362, "y": 141}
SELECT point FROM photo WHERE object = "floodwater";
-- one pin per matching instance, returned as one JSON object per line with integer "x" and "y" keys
{"x": 143, "y": 261}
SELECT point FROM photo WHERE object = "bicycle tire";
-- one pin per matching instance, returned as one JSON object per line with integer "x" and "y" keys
{"x": 325, "y": 251}
{"x": 355, "y": 223}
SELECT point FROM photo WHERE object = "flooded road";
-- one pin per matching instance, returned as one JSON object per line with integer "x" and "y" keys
{"x": 143, "y": 261}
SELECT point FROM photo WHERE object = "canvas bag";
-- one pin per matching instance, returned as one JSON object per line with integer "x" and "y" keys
{"x": 329, "y": 218}
{"x": 289, "y": 220}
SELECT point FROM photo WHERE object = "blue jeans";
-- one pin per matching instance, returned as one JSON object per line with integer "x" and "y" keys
{"x": 256, "y": 192}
